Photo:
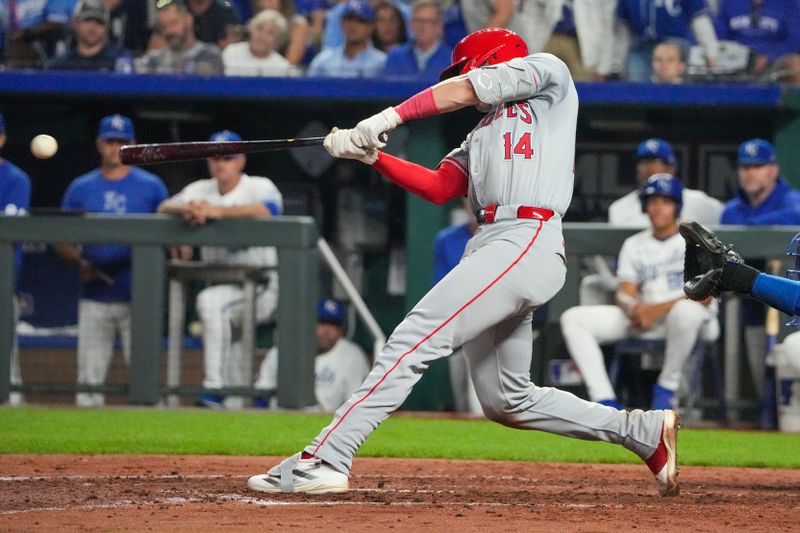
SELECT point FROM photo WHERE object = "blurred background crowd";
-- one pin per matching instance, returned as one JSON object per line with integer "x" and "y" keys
{"x": 659, "y": 41}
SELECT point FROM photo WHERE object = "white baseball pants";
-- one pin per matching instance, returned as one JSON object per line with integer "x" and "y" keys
{"x": 99, "y": 323}
{"x": 15, "y": 398}
{"x": 585, "y": 328}
{"x": 485, "y": 305}
{"x": 221, "y": 308}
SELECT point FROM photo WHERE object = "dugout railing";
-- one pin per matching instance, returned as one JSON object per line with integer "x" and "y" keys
{"x": 294, "y": 237}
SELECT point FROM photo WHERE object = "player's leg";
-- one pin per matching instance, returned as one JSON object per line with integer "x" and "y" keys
{"x": 123, "y": 319}
{"x": 215, "y": 307}
{"x": 584, "y": 329}
{"x": 15, "y": 398}
{"x": 500, "y": 361}
{"x": 490, "y": 284}
{"x": 96, "y": 332}
{"x": 464, "y": 398}
{"x": 683, "y": 325}
{"x": 266, "y": 300}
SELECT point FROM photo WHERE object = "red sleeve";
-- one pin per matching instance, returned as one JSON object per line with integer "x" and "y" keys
{"x": 448, "y": 181}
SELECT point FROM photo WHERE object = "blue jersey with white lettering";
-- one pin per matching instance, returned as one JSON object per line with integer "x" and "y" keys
{"x": 771, "y": 28}
{"x": 656, "y": 20}
{"x": 138, "y": 192}
{"x": 15, "y": 198}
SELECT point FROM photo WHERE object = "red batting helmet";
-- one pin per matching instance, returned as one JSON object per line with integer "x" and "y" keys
{"x": 484, "y": 47}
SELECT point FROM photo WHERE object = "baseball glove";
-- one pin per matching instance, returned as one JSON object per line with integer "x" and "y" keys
{"x": 710, "y": 266}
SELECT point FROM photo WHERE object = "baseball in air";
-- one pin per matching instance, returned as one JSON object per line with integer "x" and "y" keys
{"x": 44, "y": 146}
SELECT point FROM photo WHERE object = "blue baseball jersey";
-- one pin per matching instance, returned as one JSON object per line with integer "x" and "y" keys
{"x": 448, "y": 249}
{"x": 138, "y": 192}
{"x": 15, "y": 198}
{"x": 656, "y": 20}
{"x": 782, "y": 207}
{"x": 771, "y": 29}
{"x": 401, "y": 61}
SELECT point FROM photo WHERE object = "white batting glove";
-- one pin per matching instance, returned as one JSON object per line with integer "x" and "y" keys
{"x": 367, "y": 133}
{"x": 338, "y": 144}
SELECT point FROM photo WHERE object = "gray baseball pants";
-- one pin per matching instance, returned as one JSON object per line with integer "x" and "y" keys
{"x": 485, "y": 304}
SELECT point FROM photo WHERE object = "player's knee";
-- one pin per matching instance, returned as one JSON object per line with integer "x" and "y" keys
{"x": 687, "y": 312}
{"x": 206, "y": 304}
{"x": 572, "y": 318}
{"x": 501, "y": 408}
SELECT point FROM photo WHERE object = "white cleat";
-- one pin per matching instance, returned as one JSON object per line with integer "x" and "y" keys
{"x": 664, "y": 462}
{"x": 308, "y": 476}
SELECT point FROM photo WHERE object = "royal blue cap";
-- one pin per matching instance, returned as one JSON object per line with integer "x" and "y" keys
{"x": 331, "y": 311}
{"x": 359, "y": 8}
{"x": 225, "y": 136}
{"x": 116, "y": 127}
{"x": 756, "y": 152}
{"x": 2, "y": 124}
{"x": 656, "y": 148}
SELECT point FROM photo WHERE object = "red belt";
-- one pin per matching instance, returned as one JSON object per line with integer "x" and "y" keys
{"x": 487, "y": 214}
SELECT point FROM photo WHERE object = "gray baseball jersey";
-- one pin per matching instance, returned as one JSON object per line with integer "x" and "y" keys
{"x": 520, "y": 154}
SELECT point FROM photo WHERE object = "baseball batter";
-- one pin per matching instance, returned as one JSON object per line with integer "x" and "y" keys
{"x": 229, "y": 194}
{"x": 516, "y": 168}
{"x": 650, "y": 302}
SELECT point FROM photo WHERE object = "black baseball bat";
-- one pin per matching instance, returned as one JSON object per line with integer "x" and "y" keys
{"x": 146, "y": 154}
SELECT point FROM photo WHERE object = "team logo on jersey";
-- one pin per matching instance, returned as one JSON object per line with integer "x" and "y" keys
{"x": 114, "y": 202}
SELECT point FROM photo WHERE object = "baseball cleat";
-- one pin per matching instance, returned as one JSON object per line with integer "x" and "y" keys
{"x": 309, "y": 476}
{"x": 664, "y": 461}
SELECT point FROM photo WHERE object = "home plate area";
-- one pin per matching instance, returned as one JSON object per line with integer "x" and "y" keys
{"x": 202, "y": 493}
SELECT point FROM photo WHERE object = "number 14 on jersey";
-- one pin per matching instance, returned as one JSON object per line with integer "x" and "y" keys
{"x": 522, "y": 146}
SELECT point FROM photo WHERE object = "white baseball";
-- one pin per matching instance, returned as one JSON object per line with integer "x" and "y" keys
{"x": 44, "y": 146}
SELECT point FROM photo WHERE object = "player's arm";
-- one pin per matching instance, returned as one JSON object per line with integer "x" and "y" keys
{"x": 172, "y": 206}
{"x": 239, "y": 211}
{"x": 626, "y": 297}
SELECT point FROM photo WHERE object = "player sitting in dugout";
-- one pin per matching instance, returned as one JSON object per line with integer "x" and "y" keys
{"x": 339, "y": 368}
{"x": 649, "y": 302}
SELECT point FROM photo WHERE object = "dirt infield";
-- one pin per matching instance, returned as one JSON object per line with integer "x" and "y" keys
{"x": 179, "y": 493}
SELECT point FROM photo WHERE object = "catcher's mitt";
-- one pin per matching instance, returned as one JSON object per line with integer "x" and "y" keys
{"x": 705, "y": 262}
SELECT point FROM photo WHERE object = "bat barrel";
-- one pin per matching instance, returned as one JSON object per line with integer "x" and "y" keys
{"x": 145, "y": 154}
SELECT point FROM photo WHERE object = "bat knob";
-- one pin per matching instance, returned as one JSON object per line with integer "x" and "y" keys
{"x": 384, "y": 137}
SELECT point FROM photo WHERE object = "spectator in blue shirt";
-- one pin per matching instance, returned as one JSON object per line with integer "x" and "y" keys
{"x": 333, "y": 34}
{"x": 93, "y": 50}
{"x": 33, "y": 29}
{"x": 105, "y": 269}
{"x": 357, "y": 58}
{"x": 427, "y": 55}
{"x": 764, "y": 198}
{"x": 15, "y": 198}
{"x": 651, "y": 21}
{"x": 770, "y": 28}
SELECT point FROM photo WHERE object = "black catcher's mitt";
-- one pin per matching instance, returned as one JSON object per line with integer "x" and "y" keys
{"x": 709, "y": 265}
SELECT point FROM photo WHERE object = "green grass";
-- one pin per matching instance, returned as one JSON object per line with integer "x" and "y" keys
{"x": 149, "y": 431}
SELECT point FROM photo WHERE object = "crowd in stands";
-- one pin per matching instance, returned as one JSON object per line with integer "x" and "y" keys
{"x": 636, "y": 40}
